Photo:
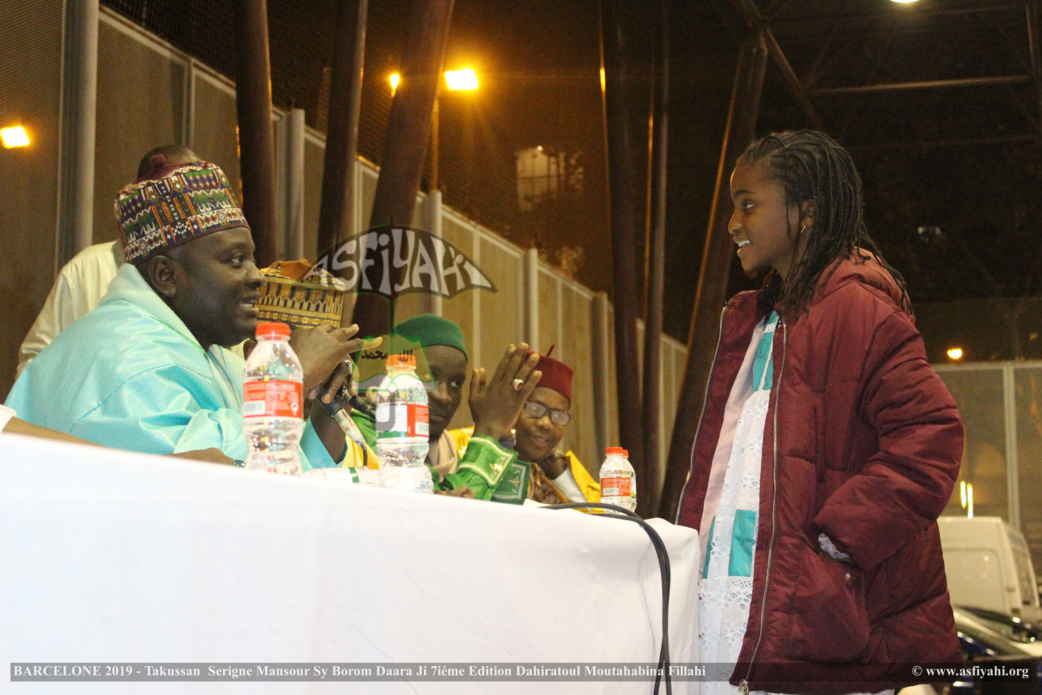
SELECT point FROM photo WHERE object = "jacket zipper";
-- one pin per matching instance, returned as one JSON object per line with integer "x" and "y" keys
{"x": 701, "y": 415}
{"x": 743, "y": 686}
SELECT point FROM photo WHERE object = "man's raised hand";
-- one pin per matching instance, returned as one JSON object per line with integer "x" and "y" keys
{"x": 496, "y": 403}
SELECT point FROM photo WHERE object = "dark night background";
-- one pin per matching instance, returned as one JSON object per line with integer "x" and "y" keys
{"x": 951, "y": 175}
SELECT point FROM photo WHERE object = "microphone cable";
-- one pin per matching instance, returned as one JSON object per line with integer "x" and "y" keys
{"x": 340, "y": 410}
{"x": 663, "y": 563}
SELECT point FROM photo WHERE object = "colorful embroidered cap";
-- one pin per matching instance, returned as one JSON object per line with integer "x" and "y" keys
{"x": 301, "y": 295}
{"x": 174, "y": 204}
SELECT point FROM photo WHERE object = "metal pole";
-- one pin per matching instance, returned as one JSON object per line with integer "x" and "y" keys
{"x": 903, "y": 18}
{"x": 927, "y": 84}
{"x": 435, "y": 144}
{"x": 256, "y": 138}
{"x": 188, "y": 127}
{"x": 602, "y": 370}
{"x": 336, "y": 219}
{"x": 532, "y": 298}
{"x": 282, "y": 185}
{"x": 78, "y": 126}
{"x": 655, "y": 254}
{"x": 293, "y": 224}
{"x": 1036, "y": 64}
{"x": 1009, "y": 397}
{"x": 717, "y": 257}
{"x": 408, "y": 130}
{"x": 432, "y": 221}
{"x": 748, "y": 11}
{"x": 928, "y": 144}
{"x": 621, "y": 188}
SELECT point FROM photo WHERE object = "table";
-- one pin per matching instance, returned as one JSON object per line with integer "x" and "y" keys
{"x": 117, "y": 557}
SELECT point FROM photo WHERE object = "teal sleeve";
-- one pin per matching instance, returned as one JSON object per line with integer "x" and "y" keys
{"x": 172, "y": 410}
{"x": 164, "y": 411}
{"x": 313, "y": 453}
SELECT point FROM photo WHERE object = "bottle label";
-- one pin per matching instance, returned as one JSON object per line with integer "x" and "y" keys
{"x": 617, "y": 486}
{"x": 273, "y": 399}
{"x": 402, "y": 420}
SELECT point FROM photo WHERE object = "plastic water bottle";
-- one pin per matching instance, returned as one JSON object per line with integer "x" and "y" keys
{"x": 402, "y": 428}
{"x": 273, "y": 402}
{"x": 618, "y": 481}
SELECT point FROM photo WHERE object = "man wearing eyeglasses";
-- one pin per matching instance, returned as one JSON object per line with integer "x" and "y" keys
{"x": 556, "y": 477}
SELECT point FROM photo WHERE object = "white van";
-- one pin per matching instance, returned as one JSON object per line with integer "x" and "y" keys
{"x": 988, "y": 565}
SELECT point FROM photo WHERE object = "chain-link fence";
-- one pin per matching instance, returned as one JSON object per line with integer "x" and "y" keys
{"x": 525, "y": 99}
{"x": 1001, "y": 406}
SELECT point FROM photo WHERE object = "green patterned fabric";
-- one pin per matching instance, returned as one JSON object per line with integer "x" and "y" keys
{"x": 492, "y": 472}
{"x": 512, "y": 487}
{"x": 487, "y": 468}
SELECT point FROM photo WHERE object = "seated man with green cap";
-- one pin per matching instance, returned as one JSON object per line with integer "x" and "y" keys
{"x": 148, "y": 370}
{"x": 482, "y": 461}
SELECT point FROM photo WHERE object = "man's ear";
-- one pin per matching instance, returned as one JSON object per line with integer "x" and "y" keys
{"x": 161, "y": 273}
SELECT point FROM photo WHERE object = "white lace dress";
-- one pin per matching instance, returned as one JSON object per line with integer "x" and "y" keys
{"x": 730, "y": 514}
{"x": 725, "y": 591}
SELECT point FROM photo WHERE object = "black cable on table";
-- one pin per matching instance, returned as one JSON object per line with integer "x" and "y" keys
{"x": 663, "y": 563}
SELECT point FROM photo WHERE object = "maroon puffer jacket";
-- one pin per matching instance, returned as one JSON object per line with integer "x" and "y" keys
{"x": 863, "y": 442}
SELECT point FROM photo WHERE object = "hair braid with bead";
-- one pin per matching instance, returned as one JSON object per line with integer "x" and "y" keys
{"x": 811, "y": 166}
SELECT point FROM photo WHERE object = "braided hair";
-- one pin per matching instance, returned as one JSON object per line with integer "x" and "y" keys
{"x": 810, "y": 165}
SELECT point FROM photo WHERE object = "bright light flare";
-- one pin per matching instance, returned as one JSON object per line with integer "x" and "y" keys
{"x": 395, "y": 78}
{"x": 14, "y": 137}
{"x": 904, "y": 2}
{"x": 955, "y": 353}
{"x": 969, "y": 500}
{"x": 461, "y": 80}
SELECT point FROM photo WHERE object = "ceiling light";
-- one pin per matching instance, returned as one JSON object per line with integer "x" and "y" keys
{"x": 14, "y": 137}
{"x": 461, "y": 79}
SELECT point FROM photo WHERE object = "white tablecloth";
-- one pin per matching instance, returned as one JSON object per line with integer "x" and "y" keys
{"x": 111, "y": 556}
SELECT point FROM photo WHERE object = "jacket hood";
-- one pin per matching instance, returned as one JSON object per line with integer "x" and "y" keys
{"x": 863, "y": 267}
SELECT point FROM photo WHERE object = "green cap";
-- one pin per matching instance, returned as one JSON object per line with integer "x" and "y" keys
{"x": 429, "y": 330}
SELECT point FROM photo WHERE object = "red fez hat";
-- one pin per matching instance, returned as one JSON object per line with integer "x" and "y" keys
{"x": 556, "y": 374}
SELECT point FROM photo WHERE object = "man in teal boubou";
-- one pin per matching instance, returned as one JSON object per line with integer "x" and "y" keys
{"x": 148, "y": 370}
